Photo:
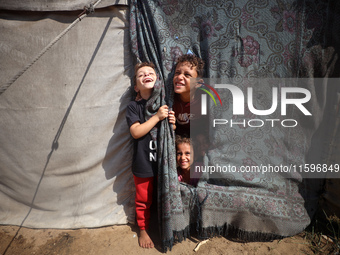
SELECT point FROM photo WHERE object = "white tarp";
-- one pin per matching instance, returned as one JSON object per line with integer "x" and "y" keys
{"x": 65, "y": 153}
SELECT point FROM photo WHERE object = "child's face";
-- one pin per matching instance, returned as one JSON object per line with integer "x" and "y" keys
{"x": 145, "y": 79}
{"x": 184, "y": 71}
{"x": 184, "y": 156}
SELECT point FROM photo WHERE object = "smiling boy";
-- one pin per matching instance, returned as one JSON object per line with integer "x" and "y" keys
{"x": 187, "y": 101}
{"x": 144, "y": 167}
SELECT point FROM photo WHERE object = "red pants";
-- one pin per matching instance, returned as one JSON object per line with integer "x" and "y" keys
{"x": 143, "y": 200}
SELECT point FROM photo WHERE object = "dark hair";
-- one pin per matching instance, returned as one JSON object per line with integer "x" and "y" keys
{"x": 139, "y": 66}
{"x": 194, "y": 61}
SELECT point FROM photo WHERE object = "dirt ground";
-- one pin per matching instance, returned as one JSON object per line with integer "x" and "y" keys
{"x": 122, "y": 239}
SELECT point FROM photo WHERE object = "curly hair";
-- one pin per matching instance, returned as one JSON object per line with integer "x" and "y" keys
{"x": 183, "y": 139}
{"x": 194, "y": 61}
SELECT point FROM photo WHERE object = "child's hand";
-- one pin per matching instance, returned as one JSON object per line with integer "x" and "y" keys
{"x": 172, "y": 118}
{"x": 163, "y": 112}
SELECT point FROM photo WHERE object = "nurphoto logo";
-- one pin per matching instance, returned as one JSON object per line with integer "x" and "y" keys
{"x": 245, "y": 99}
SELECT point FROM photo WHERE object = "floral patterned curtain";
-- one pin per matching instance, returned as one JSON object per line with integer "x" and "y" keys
{"x": 243, "y": 40}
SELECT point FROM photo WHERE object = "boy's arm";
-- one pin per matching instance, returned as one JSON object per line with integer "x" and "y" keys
{"x": 139, "y": 130}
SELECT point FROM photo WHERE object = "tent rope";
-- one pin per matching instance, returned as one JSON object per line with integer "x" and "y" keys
{"x": 87, "y": 10}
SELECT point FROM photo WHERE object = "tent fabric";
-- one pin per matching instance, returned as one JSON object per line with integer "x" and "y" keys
{"x": 65, "y": 154}
{"x": 330, "y": 201}
{"x": 246, "y": 40}
{"x": 52, "y": 5}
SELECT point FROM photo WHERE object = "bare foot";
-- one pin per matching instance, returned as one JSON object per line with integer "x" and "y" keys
{"x": 145, "y": 240}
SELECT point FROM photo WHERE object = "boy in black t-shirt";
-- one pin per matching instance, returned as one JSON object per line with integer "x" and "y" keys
{"x": 144, "y": 166}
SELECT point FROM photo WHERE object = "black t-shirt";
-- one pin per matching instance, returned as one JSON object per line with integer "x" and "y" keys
{"x": 145, "y": 149}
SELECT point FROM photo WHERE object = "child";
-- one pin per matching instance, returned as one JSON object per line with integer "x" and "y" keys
{"x": 187, "y": 102}
{"x": 144, "y": 167}
{"x": 185, "y": 159}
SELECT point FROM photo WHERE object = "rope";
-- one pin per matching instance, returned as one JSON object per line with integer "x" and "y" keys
{"x": 87, "y": 10}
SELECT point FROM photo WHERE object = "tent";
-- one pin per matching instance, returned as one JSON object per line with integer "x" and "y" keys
{"x": 66, "y": 151}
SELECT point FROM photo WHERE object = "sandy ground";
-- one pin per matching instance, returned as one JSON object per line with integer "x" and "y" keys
{"x": 123, "y": 239}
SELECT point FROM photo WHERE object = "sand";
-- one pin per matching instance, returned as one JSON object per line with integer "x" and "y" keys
{"x": 123, "y": 239}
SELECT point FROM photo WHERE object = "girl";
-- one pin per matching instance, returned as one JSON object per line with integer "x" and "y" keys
{"x": 185, "y": 159}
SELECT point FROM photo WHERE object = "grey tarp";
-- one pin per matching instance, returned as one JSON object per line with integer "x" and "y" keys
{"x": 65, "y": 153}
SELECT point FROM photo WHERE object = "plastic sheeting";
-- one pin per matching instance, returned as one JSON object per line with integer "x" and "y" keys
{"x": 65, "y": 153}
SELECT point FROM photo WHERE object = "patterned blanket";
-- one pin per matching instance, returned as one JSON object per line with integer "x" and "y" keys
{"x": 242, "y": 40}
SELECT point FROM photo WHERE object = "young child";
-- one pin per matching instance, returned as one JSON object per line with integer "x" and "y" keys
{"x": 144, "y": 166}
{"x": 185, "y": 159}
{"x": 187, "y": 102}
{"x": 186, "y": 105}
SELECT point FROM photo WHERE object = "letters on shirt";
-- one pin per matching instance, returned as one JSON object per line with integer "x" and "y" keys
{"x": 153, "y": 150}
{"x": 184, "y": 118}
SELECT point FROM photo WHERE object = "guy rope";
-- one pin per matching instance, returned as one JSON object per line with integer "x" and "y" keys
{"x": 87, "y": 10}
